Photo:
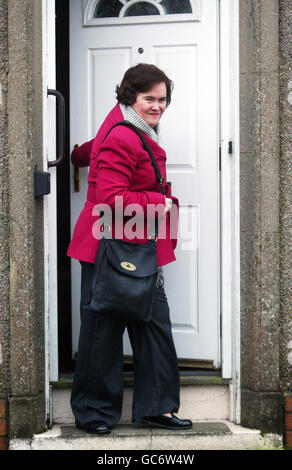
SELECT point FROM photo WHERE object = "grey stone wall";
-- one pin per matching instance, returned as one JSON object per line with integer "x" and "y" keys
{"x": 4, "y": 208}
{"x": 260, "y": 230}
{"x": 24, "y": 104}
{"x": 285, "y": 49}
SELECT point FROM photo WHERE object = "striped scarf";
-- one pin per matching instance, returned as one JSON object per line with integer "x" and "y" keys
{"x": 129, "y": 114}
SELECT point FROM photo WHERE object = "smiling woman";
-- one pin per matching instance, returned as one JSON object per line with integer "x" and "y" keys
{"x": 151, "y": 104}
{"x": 120, "y": 167}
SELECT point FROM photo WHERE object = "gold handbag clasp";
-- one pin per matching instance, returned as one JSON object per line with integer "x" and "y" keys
{"x": 128, "y": 266}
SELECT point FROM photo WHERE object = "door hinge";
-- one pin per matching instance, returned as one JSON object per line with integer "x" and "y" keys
{"x": 230, "y": 146}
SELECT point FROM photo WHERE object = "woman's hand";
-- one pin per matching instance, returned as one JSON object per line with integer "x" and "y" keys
{"x": 168, "y": 204}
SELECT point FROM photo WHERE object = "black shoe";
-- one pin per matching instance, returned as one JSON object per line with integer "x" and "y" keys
{"x": 97, "y": 427}
{"x": 165, "y": 422}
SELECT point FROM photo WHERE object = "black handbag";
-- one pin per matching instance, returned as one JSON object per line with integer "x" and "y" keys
{"x": 125, "y": 273}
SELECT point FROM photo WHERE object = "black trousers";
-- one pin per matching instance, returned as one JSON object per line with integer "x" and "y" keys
{"x": 97, "y": 390}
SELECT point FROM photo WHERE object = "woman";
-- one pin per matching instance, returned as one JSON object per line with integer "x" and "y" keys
{"x": 120, "y": 169}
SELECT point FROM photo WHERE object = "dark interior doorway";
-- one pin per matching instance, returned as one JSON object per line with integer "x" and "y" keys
{"x": 66, "y": 364}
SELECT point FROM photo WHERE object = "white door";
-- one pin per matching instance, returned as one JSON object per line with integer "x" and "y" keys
{"x": 106, "y": 38}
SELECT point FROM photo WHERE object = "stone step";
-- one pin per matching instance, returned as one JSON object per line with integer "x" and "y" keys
{"x": 201, "y": 397}
{"x": 205, "y": 435}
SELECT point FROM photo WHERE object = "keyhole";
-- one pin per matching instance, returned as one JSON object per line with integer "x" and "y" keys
{"x": 140, "y": 50}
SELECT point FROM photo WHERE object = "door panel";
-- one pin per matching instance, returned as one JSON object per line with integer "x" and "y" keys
{"x": 111, "y": 61}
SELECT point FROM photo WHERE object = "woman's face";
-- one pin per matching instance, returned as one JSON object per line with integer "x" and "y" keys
{"x": 151, "y": 105}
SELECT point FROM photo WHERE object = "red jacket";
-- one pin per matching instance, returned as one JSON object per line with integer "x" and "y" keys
{"x": 120, "y": 166}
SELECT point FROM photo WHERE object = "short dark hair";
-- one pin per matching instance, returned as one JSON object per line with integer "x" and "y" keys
{"x": 140, "y": 79}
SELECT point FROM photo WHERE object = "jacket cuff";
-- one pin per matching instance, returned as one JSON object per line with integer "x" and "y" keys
{"x": 156, "y": 198}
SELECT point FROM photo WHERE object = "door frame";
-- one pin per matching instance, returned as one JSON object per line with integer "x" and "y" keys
{"x": 230, "y": 196}
{"x": 229, "y": 204}
{"x": 50, "y": 212}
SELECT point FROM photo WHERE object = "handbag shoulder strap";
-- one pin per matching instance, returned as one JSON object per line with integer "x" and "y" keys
{"x": 159, "y": 178}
